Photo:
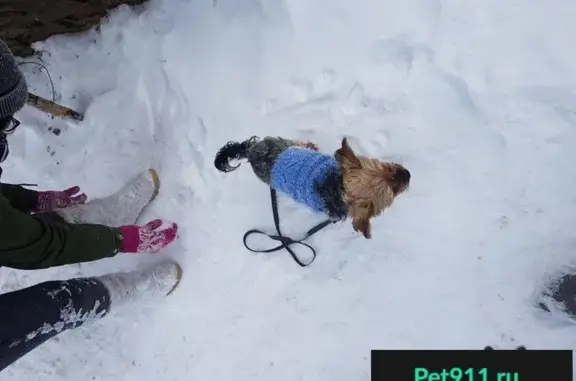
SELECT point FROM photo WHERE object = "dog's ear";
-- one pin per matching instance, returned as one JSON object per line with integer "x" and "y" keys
{"x": 346, "y": 157}
{"x": 363, "y": 226}
{"x": 361, "y": 214}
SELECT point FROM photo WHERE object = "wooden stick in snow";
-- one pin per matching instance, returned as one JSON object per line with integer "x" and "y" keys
{"x": 52, "y": 108}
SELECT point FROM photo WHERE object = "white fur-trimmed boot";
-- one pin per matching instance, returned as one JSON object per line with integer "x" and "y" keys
{"x": 121, "y": 208}
{"x": 153, "y": 283}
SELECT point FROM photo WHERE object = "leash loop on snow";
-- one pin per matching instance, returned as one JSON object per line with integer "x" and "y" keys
{"x": 285, "y": 242}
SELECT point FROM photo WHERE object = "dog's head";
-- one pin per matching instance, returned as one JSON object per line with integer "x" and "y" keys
{"x": 370, "y": 185}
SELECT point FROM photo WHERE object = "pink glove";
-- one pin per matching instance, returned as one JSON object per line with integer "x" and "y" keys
{"x": 148, "y": 238}
{"x": 50, "y": 200}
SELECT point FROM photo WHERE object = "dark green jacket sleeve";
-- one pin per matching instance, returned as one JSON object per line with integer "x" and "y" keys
{"x": 29, "y": 243}
{"x": 20, "y": 198}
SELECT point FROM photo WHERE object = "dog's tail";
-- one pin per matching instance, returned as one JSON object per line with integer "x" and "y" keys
{"x": 232, "y": 151}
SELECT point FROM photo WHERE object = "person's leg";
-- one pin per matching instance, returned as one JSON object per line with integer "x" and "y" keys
{"x": 35, "y": 314}
{"x": 121, "y": 208}
{"x": 31, "y": 316}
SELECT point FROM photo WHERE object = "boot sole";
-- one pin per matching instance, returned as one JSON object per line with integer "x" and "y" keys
{"x": 156, "y": 181}
{"x": 178, "y": 278}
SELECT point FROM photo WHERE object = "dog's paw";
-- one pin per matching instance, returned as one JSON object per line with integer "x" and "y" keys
{"x": 341, "y": 215}
{"x": 336, "y": 212}
{"x": 312, "y": 146}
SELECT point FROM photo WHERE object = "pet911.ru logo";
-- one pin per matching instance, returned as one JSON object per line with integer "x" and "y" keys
{"x": 464, "y": 374}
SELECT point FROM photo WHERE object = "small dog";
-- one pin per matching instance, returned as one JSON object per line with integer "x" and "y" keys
{"x": 341, "y": 185}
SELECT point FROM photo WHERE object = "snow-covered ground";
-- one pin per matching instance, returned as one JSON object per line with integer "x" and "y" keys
{"x": 476, "y": 98}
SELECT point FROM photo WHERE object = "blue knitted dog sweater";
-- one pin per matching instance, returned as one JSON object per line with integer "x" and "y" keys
{"x": 297, "y": 171}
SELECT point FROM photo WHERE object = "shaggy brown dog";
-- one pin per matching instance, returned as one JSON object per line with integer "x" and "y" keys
{"x": 343, "y": 185}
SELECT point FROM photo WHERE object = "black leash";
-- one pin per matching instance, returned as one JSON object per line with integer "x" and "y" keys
{"x": 285, "y": 242}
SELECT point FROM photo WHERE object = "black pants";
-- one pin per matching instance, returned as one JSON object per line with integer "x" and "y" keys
{"x": 31, "y": 316}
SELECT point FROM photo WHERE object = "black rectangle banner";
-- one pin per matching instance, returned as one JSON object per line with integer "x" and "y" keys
{"x": 471, "y": 365}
